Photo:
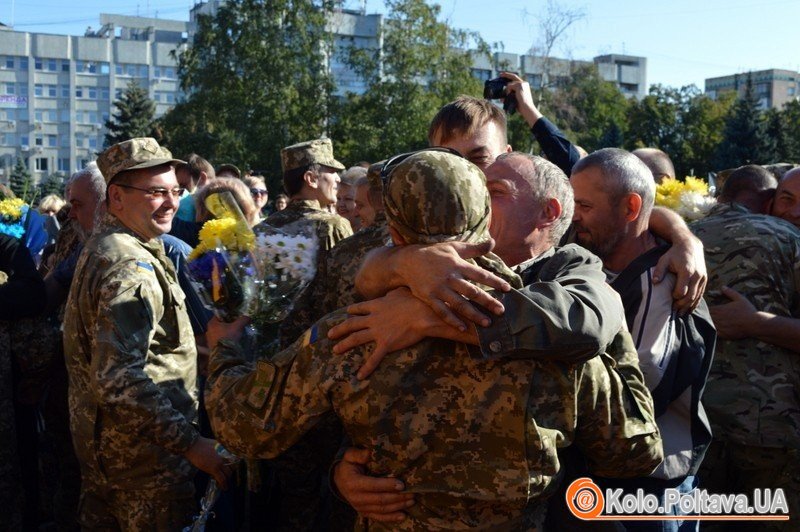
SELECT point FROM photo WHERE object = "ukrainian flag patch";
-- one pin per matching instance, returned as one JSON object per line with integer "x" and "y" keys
{"x": 144, "y": 266}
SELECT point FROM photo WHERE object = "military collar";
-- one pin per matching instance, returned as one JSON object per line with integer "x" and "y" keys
{"x": 111, "y": 223}
{"x": 522, "y": 266}
{"x": 721, "y": 208}
{"x": 304, "y": 204}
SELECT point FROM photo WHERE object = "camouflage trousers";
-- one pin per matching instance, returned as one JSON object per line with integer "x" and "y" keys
{"x": 162, "y": 510}
{"x": 733, "y": 468}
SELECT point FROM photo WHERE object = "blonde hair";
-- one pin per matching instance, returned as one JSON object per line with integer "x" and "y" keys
{"x": 51, "y": 203}
{"x": 241, "y": 194}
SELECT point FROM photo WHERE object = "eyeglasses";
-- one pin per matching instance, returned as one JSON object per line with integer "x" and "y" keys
{"x": 392, "y": 163}
{"x": 258, "y": 191}
{"x": 157, "y": 192}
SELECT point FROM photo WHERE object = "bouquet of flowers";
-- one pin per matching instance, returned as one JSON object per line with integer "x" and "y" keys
{"x": 287, "y": 258}
{"x": 211, "y": 495}
{"x": 689, "y": 198}
{"x": 12, "y": 217}
{"x": 222, "y": 265}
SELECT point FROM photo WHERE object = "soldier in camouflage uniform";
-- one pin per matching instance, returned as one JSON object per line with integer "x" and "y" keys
{"x": 22, "y": 295}
{"x": 475, "y": 439}
{"x": 131, "y": 356}
{"x": 752, "y": 390}
{"x": 310, "y": 179}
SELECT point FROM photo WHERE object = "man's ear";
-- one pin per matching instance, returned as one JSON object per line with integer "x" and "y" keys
{"x": 116, "y": 198}
{"x": 397, "y": 238}
{"x": 633, "y": 206}
{"x": 311, "y": 179}
{"x": 549, "y": 213}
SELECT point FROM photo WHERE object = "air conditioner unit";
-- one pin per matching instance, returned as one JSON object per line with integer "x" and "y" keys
{"x": 37, "y": 126}
{"x": 11, "y": 124}
{"x": 37, "y": 149}
{"x": 25, "y": 147}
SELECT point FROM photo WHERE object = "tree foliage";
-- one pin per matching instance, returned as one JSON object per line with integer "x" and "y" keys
{"x": 20, "y": 181}
{"x": 257, "y": 80}
{"x": 134, "y": 116}
{"x": 744, "y": 140}
{"x": 423, "y": 65}
{"x": 52, "y": 184}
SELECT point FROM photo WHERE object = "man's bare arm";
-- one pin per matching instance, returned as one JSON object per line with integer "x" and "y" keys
{"x": 740, "y": 319}
{"x": 685, "y": 258}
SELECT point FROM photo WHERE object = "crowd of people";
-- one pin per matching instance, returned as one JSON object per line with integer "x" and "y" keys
{"x": 484, "y": 327}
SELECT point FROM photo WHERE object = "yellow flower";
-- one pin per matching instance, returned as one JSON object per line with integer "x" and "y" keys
{"x": 668, "y": 193}
{"x": 224, "y": 233}
{"x": 11, "y": 209}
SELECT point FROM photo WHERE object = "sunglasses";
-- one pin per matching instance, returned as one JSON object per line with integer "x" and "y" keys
{"x": 258, "y": 191}
{"x": 393, "y": 162}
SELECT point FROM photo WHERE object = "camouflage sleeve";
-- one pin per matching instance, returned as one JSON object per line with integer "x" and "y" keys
{"x": 567, "y": 313}
{"x": 126, "y": 317}
{"x": 307, "y": 308}
{"x": 258, "y": 410}
{"x": 616, "y": 428}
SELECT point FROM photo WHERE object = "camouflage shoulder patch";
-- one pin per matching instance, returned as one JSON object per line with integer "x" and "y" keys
{"x": 265, "y": 377}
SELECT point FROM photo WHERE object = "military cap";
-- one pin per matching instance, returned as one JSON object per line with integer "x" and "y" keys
{"x": 428, "y": 178}
{"x": 374, "y": 175}
{"x": 319, "y": 151}
{"x": 143, "y": 152}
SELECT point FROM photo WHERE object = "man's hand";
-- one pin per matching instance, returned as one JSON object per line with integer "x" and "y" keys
{"x": 734, "y": 320}
{"x": 440, "y": 276}
{"x": 220, "y": 330}
{"x": 395, "y": 321}
{"x": 521, "y": 90}
{"x": 204, "y": 457}
{"x": 686, "y": 260}
{"x": 378, "y": 499}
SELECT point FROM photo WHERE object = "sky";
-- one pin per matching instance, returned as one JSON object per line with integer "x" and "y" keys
{"x": 684, "y": 41}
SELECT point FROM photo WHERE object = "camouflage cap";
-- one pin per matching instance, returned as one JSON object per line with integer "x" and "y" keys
{"x": 143, "y": 152}
{"x": 435, "y": 196}
{"x": 319, "y": 151}
{"x": 374, "y": 175}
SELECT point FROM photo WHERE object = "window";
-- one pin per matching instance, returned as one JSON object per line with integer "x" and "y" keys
{"x": 104, "y": 93}
{"x": 38, "y": 140}
{"x": 63, "y": 164}
{"x": 52, "y": 65}
{"x": 65, "y": 65}
{"x": 52, "y": 91}
{"x": 156, "y": 72}
{"x": 481, "y": 74}
{"x": 79, "y": 92}
{"x": 65, "y": 91}
{"x": 64, "y": 141}
{"x": 92, "y": 117}
{"x": 144, "y": 71}
{"x": 40, "y": 164}
{"x": 10, "y": 88}
{"x": 65, "y": 115}
{"x": 23, "y": 63}
{"x": 24, "y": 140}
{"x": 52, "y": 115}
{"x": 79, "y": 117}
{"x": 37, "y": 63}
{"x": 23, "y": 89}
{"x": 92, "y": 93}
{"x": 157, "y": 97}
{"x": 104, "y": 68}
{"x": 9, "y": 62}
{"x": 79, "y": 66}
{"x": 79, "y": 140}
{"x": 93, "y": 143}
{"x": 118, "y": 68}
{"x": 38, "y": 116}
{"x": 169, "y": 73}
{"x": 9, "y": 139}
{"x": 52, "y": 141}
{"x": 104, "y": 117}
{"x": 170, "y": 97}
{"x": 10, "y": 114}
{"x": 92, "y": 68}
{"x": 38, "y": 89}
{"x": 130, "y": 70}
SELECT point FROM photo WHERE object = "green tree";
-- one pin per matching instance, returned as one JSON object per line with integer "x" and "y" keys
{"x": 791, "y": 115}
{"x": 589, "y": 109}
{"x": 133, "y": 117}
{"x": 423, "y": 65}
{"x": 655, "y": 120}
{"x": 52, "y": 184}
{"x": 743, "y": 138}
{"x": 778, "y": 146}
{"x": 256, "y": 78}
{"x": 20, "y": 181}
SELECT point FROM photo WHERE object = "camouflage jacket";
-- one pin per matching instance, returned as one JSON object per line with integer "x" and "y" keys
{"x": 330, "y": 229}
{"x": 132, "y": 363}
{"x": 752, "y": 391}
{"x": 344, "y": 262}
{"x": 475, "y": 439}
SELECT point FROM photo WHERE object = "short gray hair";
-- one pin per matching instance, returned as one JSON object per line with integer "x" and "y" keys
{"x": 95, "y": 177}
{"x": 547, "y": 181}
{"x": 625, "y": 174}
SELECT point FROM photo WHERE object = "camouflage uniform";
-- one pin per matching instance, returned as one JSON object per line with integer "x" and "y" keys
{"x": 21, "y": 295}
{"x": 301, "y": 470}
{"x": 475, "y": 439}
{"x": 752, "y": 391}
{"x": 131, "y": 359}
